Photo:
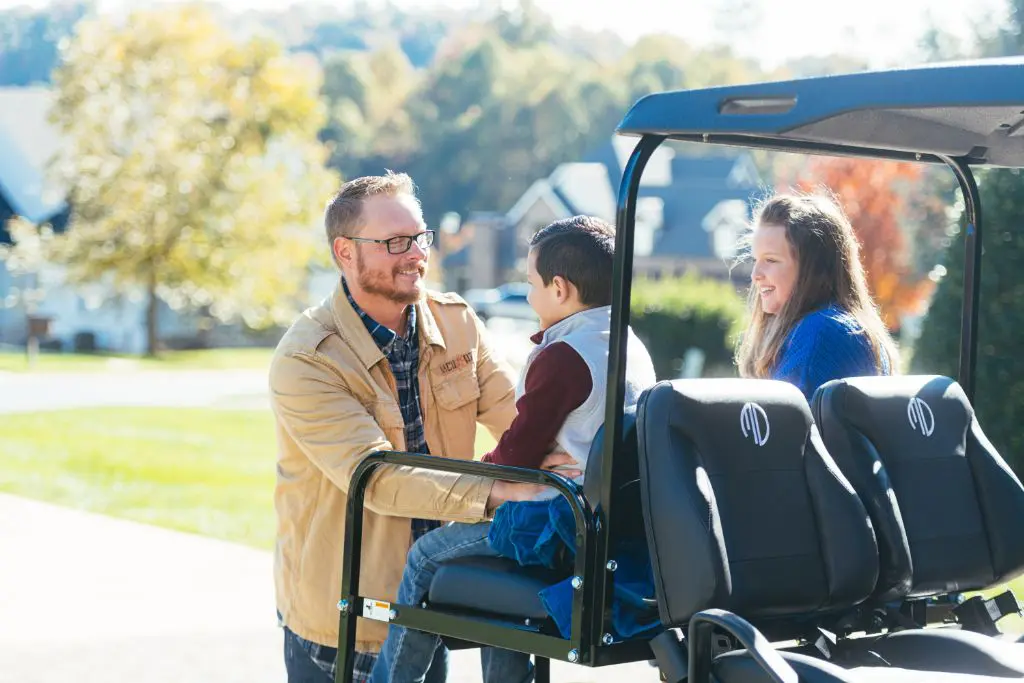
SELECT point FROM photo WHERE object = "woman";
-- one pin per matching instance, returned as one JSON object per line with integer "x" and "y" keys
{"x": 812, "y": 318}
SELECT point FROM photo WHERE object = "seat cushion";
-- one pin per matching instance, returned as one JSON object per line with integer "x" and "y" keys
{"x": 740, "y": 667}
{"x": 950, "y": 650}
{"x": 494, "y": 585}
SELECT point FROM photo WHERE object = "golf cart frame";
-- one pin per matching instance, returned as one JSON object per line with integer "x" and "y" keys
{"x": 961, "y": 115}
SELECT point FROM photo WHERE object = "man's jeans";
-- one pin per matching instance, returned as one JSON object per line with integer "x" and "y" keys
{"x": 307, "y": 662}
{"x": 407, "y": 654}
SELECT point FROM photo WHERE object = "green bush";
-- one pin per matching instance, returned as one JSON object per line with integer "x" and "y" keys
{"x": 673, "y": 315}
{"x": 999, "y": 379}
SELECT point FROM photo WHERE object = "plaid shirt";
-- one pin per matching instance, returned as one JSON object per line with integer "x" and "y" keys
{"x": 403, "y": 354}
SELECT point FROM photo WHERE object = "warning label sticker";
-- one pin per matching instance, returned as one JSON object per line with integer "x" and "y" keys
{"x": 377, "y": 610}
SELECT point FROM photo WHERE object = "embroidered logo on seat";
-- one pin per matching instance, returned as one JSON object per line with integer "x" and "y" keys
{"x": 920, "y": 415}
{"x": 754, "y": 423}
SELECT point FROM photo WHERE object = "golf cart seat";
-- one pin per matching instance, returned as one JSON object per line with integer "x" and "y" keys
{"x": 945, "y": 506}
{"x": 499, "y": 587}
{"x": 752, "y": 530}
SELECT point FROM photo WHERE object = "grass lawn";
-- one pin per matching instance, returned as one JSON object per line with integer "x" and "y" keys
{"x": 205, "y": 471}
{"x": 206, "y": 359}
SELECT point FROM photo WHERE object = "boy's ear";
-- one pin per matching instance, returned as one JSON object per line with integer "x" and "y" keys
{"x": 564, "y": 290}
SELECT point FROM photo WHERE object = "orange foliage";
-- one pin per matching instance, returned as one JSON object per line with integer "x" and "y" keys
{"x": 873, "y": 193}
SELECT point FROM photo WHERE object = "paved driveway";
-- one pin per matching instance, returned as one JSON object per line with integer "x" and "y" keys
{"x": 92, "y": 599}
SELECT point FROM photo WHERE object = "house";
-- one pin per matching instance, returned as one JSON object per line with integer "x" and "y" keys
{"x": 691, "y": 210}
{"x": 83, "y": 316}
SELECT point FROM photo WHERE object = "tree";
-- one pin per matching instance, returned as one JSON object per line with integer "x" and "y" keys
{"x": 999, "y": 375}
{"x": 193, "y": 162}
{"x": 1000, "y": 371}
{"x": 1001, "y": 38}
{"x": 501, "y": 105}
{"x": 874, "y": 195}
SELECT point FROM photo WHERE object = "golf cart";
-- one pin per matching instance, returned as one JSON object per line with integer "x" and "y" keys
{"x": 824, "y": 541}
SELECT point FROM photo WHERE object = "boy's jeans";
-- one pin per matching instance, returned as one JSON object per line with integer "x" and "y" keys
{"x": 406, "y": 654}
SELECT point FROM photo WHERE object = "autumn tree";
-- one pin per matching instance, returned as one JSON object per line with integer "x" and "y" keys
{"x": 195, "y": 170}
{"x": 876, "y": 196}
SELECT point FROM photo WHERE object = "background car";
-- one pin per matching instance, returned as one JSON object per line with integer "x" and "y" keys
{"x": 505, "y": 301}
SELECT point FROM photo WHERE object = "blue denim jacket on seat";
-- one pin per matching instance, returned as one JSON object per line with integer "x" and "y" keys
{"x": 543, "y": 532}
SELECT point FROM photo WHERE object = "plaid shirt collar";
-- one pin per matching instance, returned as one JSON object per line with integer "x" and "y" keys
{"x": 383, "y": 336}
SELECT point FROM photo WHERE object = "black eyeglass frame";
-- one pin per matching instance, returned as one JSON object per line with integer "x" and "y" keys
{"x": 398, "y": 240}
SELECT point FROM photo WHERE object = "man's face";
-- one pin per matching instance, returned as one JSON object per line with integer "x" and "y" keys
{"x": 396, "y": 277}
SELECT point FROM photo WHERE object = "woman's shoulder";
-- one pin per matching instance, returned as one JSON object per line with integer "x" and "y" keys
{"x": 831, "y": 320}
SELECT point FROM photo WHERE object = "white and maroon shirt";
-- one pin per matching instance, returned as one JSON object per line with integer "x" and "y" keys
{"x": 561, "y": 394}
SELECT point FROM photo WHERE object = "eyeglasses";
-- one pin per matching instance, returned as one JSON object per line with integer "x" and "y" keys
{"x": 402, "y": 243}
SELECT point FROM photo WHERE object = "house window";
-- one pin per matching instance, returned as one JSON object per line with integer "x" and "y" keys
{"x": 726, "y": 222}
{"x": 650, "y": 217}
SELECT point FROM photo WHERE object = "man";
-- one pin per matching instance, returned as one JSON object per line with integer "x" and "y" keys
{"x": 382, "y": 364}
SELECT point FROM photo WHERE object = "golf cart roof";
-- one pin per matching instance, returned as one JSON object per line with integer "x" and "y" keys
{"x": 972, "y": 111}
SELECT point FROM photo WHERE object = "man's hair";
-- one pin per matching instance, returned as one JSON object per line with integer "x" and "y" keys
{"x": 344, "y": 212}
{"x": 581, "y": 250}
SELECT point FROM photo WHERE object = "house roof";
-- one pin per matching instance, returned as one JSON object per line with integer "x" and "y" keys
{"x": 585, "y": 188}
{"x": 688, "y": 187}
{"x": 540, "y": 190}
{"x": 27, "y": 144}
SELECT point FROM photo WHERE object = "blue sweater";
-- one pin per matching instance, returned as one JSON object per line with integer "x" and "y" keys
{"x": 825, "y": 345}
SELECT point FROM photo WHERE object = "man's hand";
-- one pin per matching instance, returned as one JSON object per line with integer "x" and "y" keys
{"x": 562, "y": 463}
{"x": 504, "y": 491}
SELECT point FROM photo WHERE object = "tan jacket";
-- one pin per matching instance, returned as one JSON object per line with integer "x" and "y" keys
{"x": 335, "y": 401}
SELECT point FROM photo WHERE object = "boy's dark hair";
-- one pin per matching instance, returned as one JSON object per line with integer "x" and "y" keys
{"x": 581, "y": 250}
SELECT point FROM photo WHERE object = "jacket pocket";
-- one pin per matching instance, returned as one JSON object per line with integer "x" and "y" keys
{"x": 458, "y": 391}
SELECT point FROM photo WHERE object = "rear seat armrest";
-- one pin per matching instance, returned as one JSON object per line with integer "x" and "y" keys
{"x": 566, "y": 487}
{"x": 701, "y": 630}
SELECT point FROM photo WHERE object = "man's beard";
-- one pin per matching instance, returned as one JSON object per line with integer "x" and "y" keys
{"x": 381, "y": 284}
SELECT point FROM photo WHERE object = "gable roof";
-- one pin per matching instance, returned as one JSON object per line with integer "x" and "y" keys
{"x": 27, "y": 144}
{"x": 689, "y": 188}
{"x": 585, "y": 188}
{"x": 540, "y": 190}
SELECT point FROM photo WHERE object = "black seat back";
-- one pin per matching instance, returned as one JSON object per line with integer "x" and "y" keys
{"x": 627, "y": 520}
{"x": 948, "y": 511}
{"x": 743, "y": 507}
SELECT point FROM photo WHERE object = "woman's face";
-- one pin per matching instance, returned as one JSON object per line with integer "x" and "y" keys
{"x": 775, "y": 267}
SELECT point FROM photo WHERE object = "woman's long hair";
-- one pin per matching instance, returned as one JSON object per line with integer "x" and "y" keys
{"x": 829, "y": 271}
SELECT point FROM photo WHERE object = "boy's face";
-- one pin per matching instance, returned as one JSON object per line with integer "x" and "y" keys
{"x": 550, "y": 302}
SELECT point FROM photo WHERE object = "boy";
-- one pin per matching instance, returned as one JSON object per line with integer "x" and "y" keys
{"x": 560, "y": 399}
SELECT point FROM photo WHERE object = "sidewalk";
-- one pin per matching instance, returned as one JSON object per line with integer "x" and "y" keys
{"x": 92, "y": 599}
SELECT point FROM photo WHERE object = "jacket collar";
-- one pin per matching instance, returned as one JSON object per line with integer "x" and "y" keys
{"x": 430, "y": 333}
{"x": 351, "y": 328}
{"x": 598, "y": 318}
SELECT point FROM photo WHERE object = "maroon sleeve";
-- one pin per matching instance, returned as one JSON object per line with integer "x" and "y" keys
{"x": 557, "y": 383}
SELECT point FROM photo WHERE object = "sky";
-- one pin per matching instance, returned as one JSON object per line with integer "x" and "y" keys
{"x": 883, "y": 32}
